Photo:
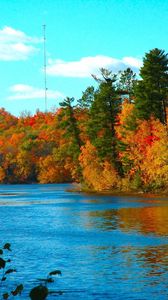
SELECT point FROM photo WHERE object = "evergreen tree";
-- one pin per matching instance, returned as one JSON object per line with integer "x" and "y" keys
{"x": 68, "y": 122}
{"x": 151, "y": 91}
{"x": 103, "y": 118}
{"x": 87, "y": 98}
{"x": 127, "y": 81}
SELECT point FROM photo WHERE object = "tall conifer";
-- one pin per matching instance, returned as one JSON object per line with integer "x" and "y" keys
{"x": 103, "y": 118}
{"x": 151, "y": 92}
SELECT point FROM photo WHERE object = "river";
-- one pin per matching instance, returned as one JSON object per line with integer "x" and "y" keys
{"x": 107, "y": 247}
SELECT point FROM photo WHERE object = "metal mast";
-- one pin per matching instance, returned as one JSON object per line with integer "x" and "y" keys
{"x": 45, "y": 64}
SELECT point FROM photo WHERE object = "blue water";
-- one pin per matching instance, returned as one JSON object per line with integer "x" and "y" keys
{"x": 107, "y": 247}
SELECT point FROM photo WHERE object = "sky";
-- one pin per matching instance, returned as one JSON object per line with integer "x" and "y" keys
{"x": 81, "y": 37}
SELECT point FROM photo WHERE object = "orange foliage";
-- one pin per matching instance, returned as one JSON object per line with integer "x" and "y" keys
{"x": 6, "y": 120}
{"x": 50, "y": 171}
{"x": 147, "y": 149}
{"x": 35, "y": 148}
{"x": 99, "y": 176}
{"x": 2, "y": 175}
{"x": 24, "y": 166}
{"x": 124, "y": 118}
{"x": 16, "y": 138}
{"x": 154, "y": 167}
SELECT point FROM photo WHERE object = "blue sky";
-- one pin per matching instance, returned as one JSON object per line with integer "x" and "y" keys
{"x": 82, "y": 36}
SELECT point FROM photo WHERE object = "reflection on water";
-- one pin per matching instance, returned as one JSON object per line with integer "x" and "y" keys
{"x": 154, "y": 261}
{"x": 153, "y": 220}
{"x": 106, "y": 247}
{"x": 146, "y": 220}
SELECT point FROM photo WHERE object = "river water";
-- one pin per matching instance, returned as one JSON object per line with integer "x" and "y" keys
{"x": 107, "y": 247}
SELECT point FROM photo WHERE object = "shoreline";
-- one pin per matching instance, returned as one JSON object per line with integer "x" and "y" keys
{"x": 137, "y": 193}
{"x": 77, "y": 187}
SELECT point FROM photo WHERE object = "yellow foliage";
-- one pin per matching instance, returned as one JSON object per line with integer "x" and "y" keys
{"x": 72, "y": 168}
{"x": 92, "y": 171}
{"x": 125, "y": 184}
{"x": 110, "y": 176}
{"x": 2, "y": 175}
{"x": 50, "y": 171}
{"x": 148, "y": 150}
{"x": 97, "y": 175}
{"x": 155, "y": 165}
{"x": 23, "y": 167}
{"x": 123, "y": 133}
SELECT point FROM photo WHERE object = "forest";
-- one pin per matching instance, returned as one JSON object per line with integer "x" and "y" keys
{"x": 114, "y": 138}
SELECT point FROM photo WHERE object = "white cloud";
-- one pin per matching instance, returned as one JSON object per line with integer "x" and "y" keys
{"x": 16, "y": 45}
{"x": 90, "y": 65}
{"x": 132, "y": 62}
{"x": 23, "y": 91}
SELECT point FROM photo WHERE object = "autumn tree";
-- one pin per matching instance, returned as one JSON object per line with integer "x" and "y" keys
{"x": 6, "y": 120}
{"x": 97, "y": 175}
{"x": 51, "y": 170}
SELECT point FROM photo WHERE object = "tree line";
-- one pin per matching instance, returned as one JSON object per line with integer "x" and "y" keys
{"x": 114, "y": 137}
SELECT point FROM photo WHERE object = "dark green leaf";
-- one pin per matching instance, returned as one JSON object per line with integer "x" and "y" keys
{"x": 5, "y": 296}
{"x": 7, "y": 246}
{"x": 49, "y": 280}
{"x": 38, "y": 293}
{"x": 1, "y": 251}
{"x": 18, "y": 290}
{"x": 10, "y": 271}
{"x": 56, "y": 272}
{"x": 46, "y": 280}
{"x": 3, "y": 279}
{"x": 2, "y": 263}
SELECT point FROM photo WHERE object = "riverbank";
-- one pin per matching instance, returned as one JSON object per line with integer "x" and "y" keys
{"x": 79, "y": 189}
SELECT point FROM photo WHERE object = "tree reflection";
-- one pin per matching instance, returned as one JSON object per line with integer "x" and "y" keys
{"x": 104, "y": 219}
{"x": 145, "y": 220}
{"x": 154, "y": 262}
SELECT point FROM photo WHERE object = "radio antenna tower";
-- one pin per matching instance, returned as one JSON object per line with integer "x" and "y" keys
{"x": 45, "y": 64}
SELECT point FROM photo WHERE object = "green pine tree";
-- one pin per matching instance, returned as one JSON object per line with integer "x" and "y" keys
{"x": 68, "y": 122}
{"x": 151, "y": 91}
{"x": 103, "y": 118}
{"x": 126, "y": 83}
{"x": 87, "y": 98}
